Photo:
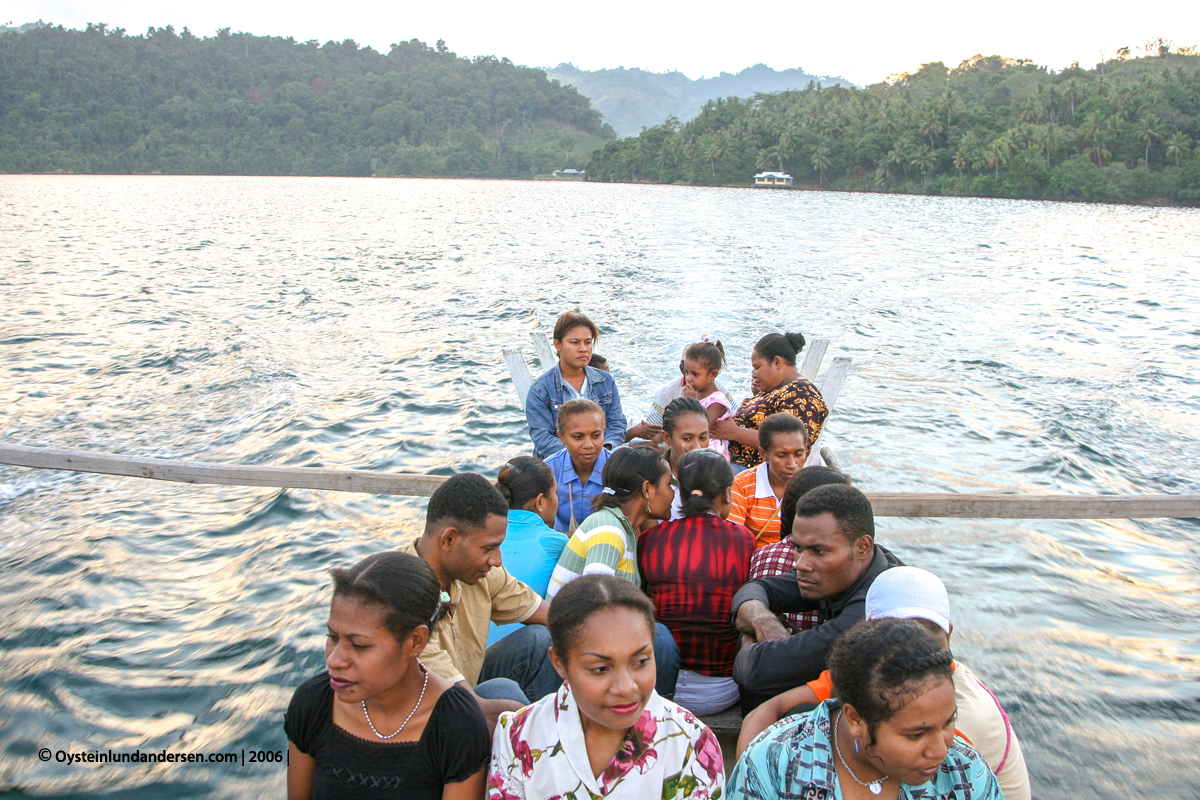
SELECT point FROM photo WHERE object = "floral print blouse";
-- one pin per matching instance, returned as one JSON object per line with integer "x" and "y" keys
{"x": 538, "y": 753}
{"x": 798, "y": 397}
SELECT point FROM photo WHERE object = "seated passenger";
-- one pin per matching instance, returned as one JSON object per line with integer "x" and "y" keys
{"x": 756, "y": 492}
{"x": 637, "y": 490}
{"x": 780, "y": 558}
{"x": 377, "y": 723}
{"x": 574, "y": 337}
{"x": 836, "y": 561}
{"x": 606, "y": 733}
{"x": 598, "y": 361}
{"x": 465, "y": 524}
{"x": 889, "y": 733}
{"x": 674, "y": 388}
{"x": 702, "y": 362}
{"x": 911, "y": 593}
{"x": 685, "y": 428}
{"x": 778, "y": 387}
{"x": 693, "y": 566}
{"x": 531, "y": 547}
{"x": 578, "y": 466}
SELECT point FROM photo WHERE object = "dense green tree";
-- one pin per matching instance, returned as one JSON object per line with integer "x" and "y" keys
{"x": 993, "y": 126}
{"x": 99, "y": 100}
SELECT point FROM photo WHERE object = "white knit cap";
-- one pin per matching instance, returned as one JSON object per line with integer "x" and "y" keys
{"x": 909, "y": 593}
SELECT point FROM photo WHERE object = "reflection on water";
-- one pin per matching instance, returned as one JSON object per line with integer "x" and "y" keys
{"x": 998, "y": 346}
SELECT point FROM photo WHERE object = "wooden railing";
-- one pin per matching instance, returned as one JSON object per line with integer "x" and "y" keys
{"x": 886, "y": 504}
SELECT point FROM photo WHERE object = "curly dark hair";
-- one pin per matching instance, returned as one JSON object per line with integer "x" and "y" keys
{"x": 801, "y": 484}
{"x": 879, "y": 665}
{"x": 776, "y": 424}
{"x": 583, "y": 597}
{"x": 466, "y": 499}
{"x": 400, "y": 584}
{"x": 848, "y": 505}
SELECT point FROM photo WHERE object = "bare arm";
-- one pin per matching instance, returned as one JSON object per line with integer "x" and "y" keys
{"x": 470, "y": 789}
{"x": 771, "y": 712}
{"x": 300, "y": 769}
{"x": 731, "y": 431}
{"x": 540, "y": 616}
{"x": 755, "y": 619}
{"x": 492, "y": 709}
{"x": 643, "y": 430}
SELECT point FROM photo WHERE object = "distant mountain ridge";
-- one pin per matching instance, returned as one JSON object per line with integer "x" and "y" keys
{"x": 632, "y": 99}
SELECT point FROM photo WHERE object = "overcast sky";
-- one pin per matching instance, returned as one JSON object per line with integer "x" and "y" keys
{"x": 863, "y": 41}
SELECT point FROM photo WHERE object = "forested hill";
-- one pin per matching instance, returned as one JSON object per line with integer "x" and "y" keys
{"x": 632, "y": 99}
{"x": 1125, "y": 130}
{"x": 99, "y": 100}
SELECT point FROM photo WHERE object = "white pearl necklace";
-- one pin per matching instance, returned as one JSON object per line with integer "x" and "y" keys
{"x": 410, "y": 714}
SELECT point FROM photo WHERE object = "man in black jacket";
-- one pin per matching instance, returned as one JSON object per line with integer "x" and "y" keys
{"x": 836, "y": 562}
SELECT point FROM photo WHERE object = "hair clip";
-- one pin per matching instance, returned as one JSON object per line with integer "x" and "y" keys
{"x": 706, "y": 338}
{"x": 445, "y": 597}
{"x": 608, "y": 490}
{"x": 513, "y": 467}
{"x": 697, "y": 492}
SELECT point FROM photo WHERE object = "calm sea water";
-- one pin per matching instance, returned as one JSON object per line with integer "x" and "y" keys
{"x": 997, "y": 346}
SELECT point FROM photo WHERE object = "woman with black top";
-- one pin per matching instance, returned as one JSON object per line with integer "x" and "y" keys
{"x": 377, "y": 724}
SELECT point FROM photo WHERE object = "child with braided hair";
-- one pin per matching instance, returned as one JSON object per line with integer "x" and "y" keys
{"x": 889, "y": 732}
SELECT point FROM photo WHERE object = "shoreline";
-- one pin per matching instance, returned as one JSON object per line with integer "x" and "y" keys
{"x": 1151, "y": 202}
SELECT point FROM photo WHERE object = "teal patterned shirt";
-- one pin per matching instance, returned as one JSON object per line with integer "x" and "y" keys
{"x": 793, "y": 759}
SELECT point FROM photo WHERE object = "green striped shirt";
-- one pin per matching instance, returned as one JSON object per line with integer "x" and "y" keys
{"x": 605, "y": 544}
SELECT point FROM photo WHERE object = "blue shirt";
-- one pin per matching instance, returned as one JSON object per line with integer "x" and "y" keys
{"x": 575, "y": 496}
{"x": 550, "y": 391}
{"x": 794, "y": 758}
{"x": 530, "y": 551}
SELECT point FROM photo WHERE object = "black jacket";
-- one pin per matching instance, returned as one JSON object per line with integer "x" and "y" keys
{"x": 769, "y": 668}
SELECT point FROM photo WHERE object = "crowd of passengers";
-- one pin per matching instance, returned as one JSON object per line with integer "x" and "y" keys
{"x": 559, "y": 634}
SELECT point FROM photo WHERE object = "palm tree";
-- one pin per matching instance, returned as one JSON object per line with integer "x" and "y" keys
{"x": 924, "y": 159}
{"x": 1178, "y": 146}
{"x": 1032, "y": 110}
{"x": 997, "y": 153}
{"x": 1148, "y": 134}
{"x": 930, "y": 126}
{"x": 821, "y": 161}
{"x": 950, "y": 102}
{"x": 1073, "y": 91}
{"x": 1098, "y": 152}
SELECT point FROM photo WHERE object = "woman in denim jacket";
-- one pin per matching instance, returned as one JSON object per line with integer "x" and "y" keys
{"x": 574, "y": 337}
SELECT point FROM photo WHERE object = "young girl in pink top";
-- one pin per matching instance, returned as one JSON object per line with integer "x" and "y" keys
{"x": 702, "y": 362}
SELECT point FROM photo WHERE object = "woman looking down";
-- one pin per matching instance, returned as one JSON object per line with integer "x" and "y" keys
{"x": 606, "y": 732}
{"x": 377, "y": 724}
{"x": 778, "y": 387}
{"x": 889, "y": 733}
{"x": 685, "y": 426}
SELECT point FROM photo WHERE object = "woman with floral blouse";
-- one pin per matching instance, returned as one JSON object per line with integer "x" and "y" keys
{"x": 606, "y": 732}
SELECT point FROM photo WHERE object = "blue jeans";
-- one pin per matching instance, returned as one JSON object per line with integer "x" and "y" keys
{"x": 521, "y": 658}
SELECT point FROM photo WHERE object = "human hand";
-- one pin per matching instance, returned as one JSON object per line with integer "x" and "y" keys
{"x": 768, "y": 628}
{"x": 724, "y": 428}
{"x": 643, "y": 430}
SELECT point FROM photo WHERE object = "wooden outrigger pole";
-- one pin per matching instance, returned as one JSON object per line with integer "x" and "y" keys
{"x": 885, "y": 504}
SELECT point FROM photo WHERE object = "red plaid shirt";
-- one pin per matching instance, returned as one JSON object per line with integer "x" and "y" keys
{"x": 693, "y": 567}
{"x": 777, "y": 559}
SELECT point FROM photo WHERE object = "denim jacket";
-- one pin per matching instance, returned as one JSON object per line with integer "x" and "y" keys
{"x": 548, "y": 393}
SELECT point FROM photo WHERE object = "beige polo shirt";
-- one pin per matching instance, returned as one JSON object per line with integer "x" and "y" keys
{"x": 457, "y": 644}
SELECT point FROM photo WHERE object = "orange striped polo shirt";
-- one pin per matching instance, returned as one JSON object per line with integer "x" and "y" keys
{"x": 755, "y": 505}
